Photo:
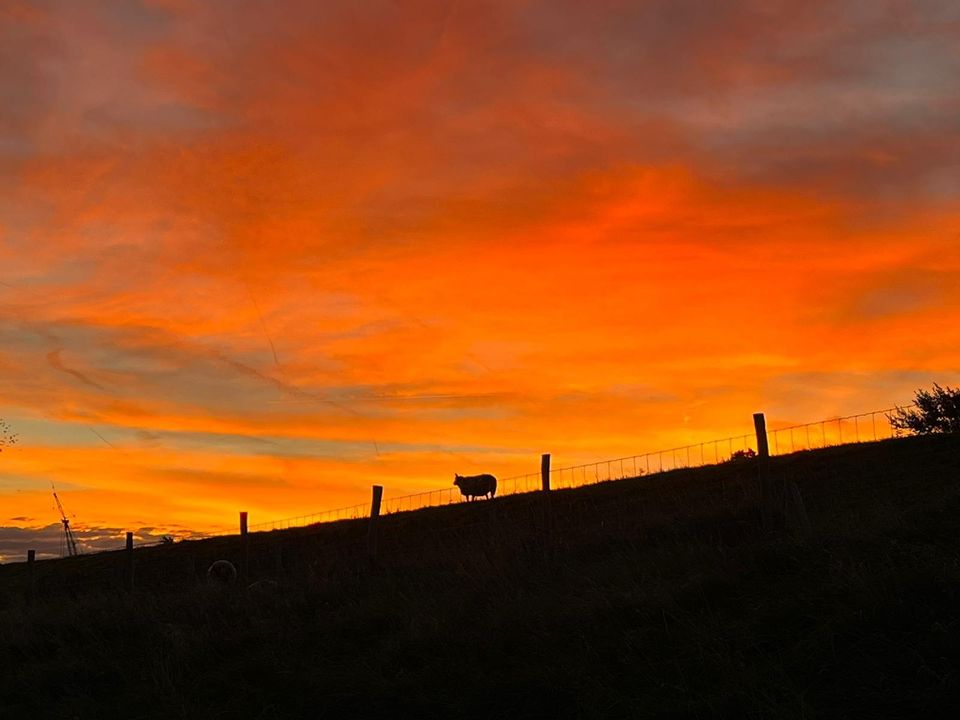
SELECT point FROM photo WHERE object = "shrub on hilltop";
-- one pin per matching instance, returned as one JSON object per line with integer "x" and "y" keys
{"x": 934, "y": 411}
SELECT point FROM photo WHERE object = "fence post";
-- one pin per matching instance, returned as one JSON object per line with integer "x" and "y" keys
{"x": 31, "y": 576}
{"x": 760, "y": 425}
{"x": 244, "y": 546}
{"x": 767, "y": 499}
{"x": 374, "y": 518}
{"x": 129, "y": 558}
{"x": 545, "y": 470}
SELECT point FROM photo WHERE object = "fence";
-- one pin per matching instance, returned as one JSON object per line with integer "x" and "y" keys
{"x": 865, "y": 427}
{"x": 254, "y": 552}
{"x": 352, "y": 512}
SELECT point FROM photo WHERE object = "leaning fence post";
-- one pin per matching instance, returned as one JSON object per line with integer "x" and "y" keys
{"x": 760, "y": 425}
{"x": 31, "y": 576}
{"x": 545, "y": 470}
{"x": 374, "y": 517}
{"x": 767, "y": 495}
{"x": 244, "y": 545}
{"x": 129, "y": 561}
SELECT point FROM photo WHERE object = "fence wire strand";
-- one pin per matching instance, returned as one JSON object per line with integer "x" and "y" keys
{"x": 864, "y": 427}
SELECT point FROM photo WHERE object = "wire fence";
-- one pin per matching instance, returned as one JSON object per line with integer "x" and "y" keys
{"x": 320, "y": 546}
{"x": 864, "y": 427}
{"x": 351, "y": 512}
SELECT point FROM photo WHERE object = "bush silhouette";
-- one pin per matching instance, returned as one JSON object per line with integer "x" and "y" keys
{"x": 741, "y": 455}
{"x": 936, "y": 411}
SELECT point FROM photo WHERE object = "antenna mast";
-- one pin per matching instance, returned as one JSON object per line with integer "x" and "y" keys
{"x": 68, "y": 539}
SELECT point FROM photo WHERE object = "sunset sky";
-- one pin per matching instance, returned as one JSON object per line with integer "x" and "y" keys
{"x": 261, "y": 255}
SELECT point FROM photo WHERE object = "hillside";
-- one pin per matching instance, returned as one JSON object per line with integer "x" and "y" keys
{"x": 645, "y": 597}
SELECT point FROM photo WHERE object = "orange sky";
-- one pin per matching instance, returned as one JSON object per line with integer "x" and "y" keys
{"x": 262, "y": 255}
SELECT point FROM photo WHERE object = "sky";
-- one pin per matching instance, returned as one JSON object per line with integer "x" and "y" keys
{"x": 260, "y": 256}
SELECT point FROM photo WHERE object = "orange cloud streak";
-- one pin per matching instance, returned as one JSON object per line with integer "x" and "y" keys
{"x": 264, "y": 258}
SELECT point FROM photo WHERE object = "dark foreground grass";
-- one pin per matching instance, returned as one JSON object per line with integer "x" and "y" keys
{"x": 653, "y": 597}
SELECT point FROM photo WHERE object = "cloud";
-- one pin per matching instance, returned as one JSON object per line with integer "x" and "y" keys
{"x": 267, "y": 254}
{"x": 48, "y": 540}
{"x": 53, "y": 358}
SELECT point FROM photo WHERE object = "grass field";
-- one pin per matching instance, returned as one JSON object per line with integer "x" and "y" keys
{"x": 646, "y": 597}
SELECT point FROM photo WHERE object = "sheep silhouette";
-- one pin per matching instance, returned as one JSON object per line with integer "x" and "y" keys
{"x": 222, "y": 572}
{"x": 474, "y": 486}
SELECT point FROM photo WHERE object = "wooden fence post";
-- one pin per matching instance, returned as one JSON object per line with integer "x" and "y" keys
{"x": 760, "y": 425}
{"x": 545, "y": 470}
{"x": 129, "y": 561}
{"x": 374, "y": 517}
{"x": 244, "y": 546}
{"x": 768, "y": 499}
{"x": 31, "y": 577}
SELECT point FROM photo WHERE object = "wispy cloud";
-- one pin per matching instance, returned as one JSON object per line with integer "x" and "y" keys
{"x": 56, "y": 363}
{"x": 48, "y": 541}
{"x": 266, "y": 254}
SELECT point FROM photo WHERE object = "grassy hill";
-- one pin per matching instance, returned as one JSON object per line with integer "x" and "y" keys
{"x": 646, "y": 597}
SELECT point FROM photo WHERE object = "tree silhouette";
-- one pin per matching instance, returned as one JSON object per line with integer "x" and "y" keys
{"x": 936, "y": 411}
{"x": 7, "y": 436}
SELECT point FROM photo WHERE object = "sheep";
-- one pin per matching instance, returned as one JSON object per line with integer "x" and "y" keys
{"x": 222, "y": 572}
{"x": 472, "y": 486}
